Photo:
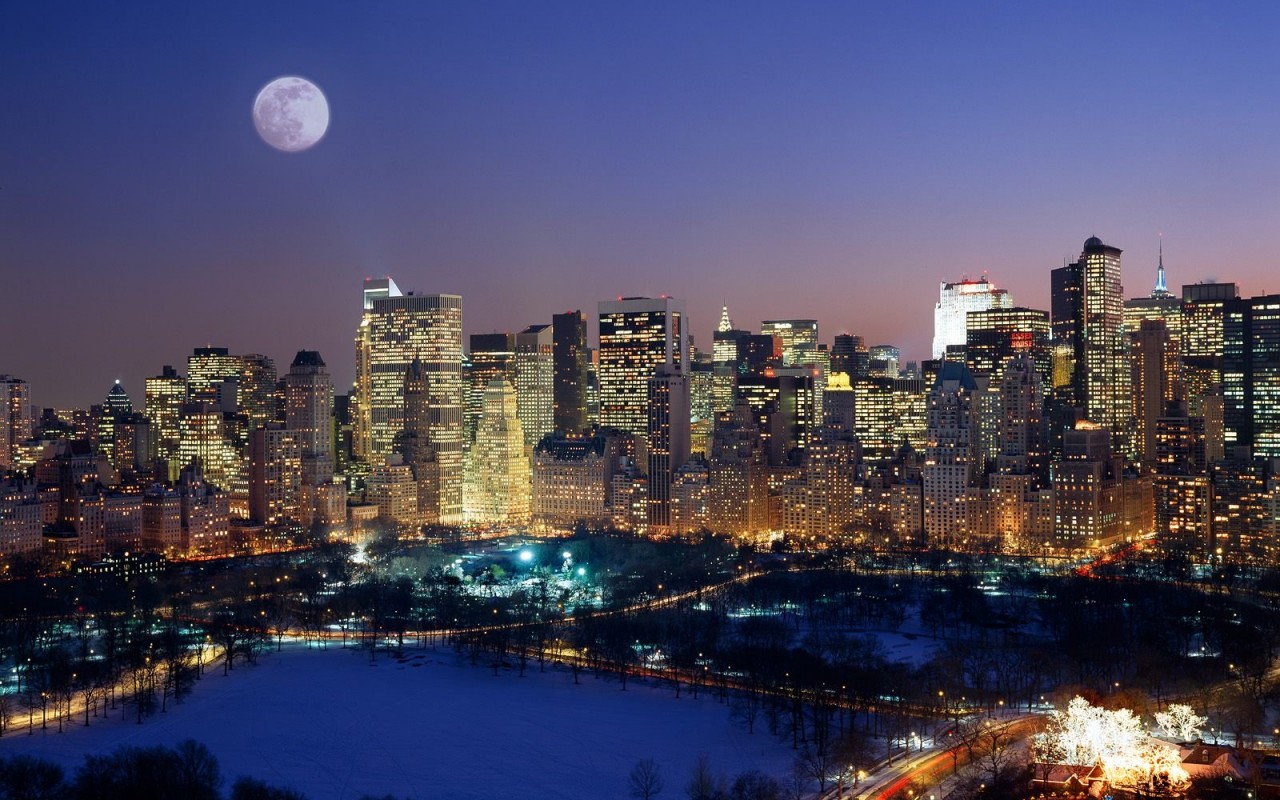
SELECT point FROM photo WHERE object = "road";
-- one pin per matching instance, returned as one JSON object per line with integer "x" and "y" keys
{"x": 925, "y": 769}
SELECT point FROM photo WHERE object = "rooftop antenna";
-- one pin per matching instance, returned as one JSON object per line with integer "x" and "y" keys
{"x": 1161, "y": 290}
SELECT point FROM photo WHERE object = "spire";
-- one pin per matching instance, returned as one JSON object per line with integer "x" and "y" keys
{"x": 1161, "y": 290}
{"x": 726, "y": 324}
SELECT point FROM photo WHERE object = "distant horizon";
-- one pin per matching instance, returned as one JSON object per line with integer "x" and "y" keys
{"x": 342, "y": 370}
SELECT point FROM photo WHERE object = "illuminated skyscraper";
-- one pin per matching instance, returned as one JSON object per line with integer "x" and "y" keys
{"x": 15, "y": 418}
{"x": 1067, "y": 308}
{"x": 396, "y": 331}
{"x": 885, "y": 361}
{"x": 362, "y": 413}
{"x": 500, "y": 488}
{"x": 738, "y": 495}
{"x": 637, "y": 335}
{"x": 1156, "y": 382}
{"x": 955, "y": 301}
{"x": 1203, "y": 312}
{"x": 950, "y": 456}
{"x": 799, "y": 339}
{"x": 165, "y": 395}
{"x": 208, "y": 370}
{"x": 116, "y": 406}
{"x": 668, "y": 438}
{"x": 1160, "y": 304}
{"x": 414, "y": 451}
{"x": 1183, "y": 492}
{"x": 309, "y": 414}
{"x": 492, "y": 356}
{"x": 727, "y": 349}
{"x": 1088, "y": 321}
{"x": 1251, "y": 377}
{"x": 207, "y": 437}
{"x": 849, "y": 355}
{"x": 256, "y": 389}
{"x": 993, "y": 337}
{"x": 275, "y": 474}
{"x": 1022, "y": 431}
{"x": 535, "y": 382}
{"x": 569, "y": 351}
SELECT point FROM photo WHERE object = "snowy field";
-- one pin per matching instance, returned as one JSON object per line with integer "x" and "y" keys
{"x": 331, "y": 725}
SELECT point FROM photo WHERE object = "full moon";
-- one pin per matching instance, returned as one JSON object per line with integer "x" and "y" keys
{"x": 291, "y": 114}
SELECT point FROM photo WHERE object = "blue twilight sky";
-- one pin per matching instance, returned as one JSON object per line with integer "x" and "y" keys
{"x": 829, "y": 160}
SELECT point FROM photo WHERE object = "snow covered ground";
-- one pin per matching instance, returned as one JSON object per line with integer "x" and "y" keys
{"x": 332, "y": 725}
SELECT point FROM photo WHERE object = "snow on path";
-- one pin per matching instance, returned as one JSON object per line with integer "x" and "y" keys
{"x": 332, "y": 725}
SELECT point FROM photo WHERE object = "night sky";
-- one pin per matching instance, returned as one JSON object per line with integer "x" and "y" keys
{"x": 794, "y": 160}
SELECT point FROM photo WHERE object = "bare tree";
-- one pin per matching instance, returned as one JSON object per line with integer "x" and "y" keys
{"x": 645, "y": 780}
{"x": 995, "y": 743}
{"x": 702, "y": 784}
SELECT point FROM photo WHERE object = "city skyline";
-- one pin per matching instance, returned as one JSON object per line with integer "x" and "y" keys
{"x": 538, "y": 161}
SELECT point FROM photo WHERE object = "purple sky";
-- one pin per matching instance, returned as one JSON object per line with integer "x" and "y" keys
{"x": 829, "y": 160}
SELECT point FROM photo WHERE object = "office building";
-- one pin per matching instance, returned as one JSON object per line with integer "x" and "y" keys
{"x": 995, "y": 336}
{"x": 950, "y": 456}
{"x": 396, "y": 332}
{"x": 1251, "y": 377}
{"x": 955, "y": 301}
{"x": 1161, "y": 304}
{"x": 1203, "y": 316}
{"x": 668, "y": 405}
{"x": 165, "y": 394}
{"x": 798, "y": 338}
{"x": 637, "y": 336}
{"x": 500, "y": 485}
{"x": 16, "y": 420}
{"x": 570, "y": 359}
{"x": 492, "y": 357}
{"x": 535, "y": 382}
{"x": 1156, "y": 382}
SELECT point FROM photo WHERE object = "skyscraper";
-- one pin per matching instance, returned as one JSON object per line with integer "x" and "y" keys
{"x": 950, "y": 455}
{"x": 1156, "y": 382}
{"x": 309, "y": 414}
{"x": 955, "y": 301}
{"x": 1203, "y": 312}
{"x": 208, "y": 370}
{"x": 362, "y": 413}
{"x": 275, "y": 474}
{"x": 1095, "y": 336}
{"x": 535, "y": 382}
{"x": 739, "y": 476}
{"x": 416, "y": 454}
{"x": 849, "y": 355}
{"x": 727, "y": 348}
{"x": 117, "y": 405}
{"x": 668, "y": 438}
{"x": 1067, "y": 311}
{"x": 256, "y": 389}
{"x": 500, "y": 485}
{"x": 569, "y": 351}
{"x": 165, "y": 395}
{"x": 1251, "y": 376}
{"x": 993, "y": 337}
{"x": 15, "y": 418}
{"x": 492, "y": 356}
{"x": 1022, "y": 432}
{"x": 799, "y": 339}
{"x": 1161, "y": 304}
{"x": 637, "y": 335}
{"x": 396, "y": 331}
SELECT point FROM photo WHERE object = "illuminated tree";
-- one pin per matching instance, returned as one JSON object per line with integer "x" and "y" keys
{"x": 1085, "y": 735}
{"x": 1181, "y": 722}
